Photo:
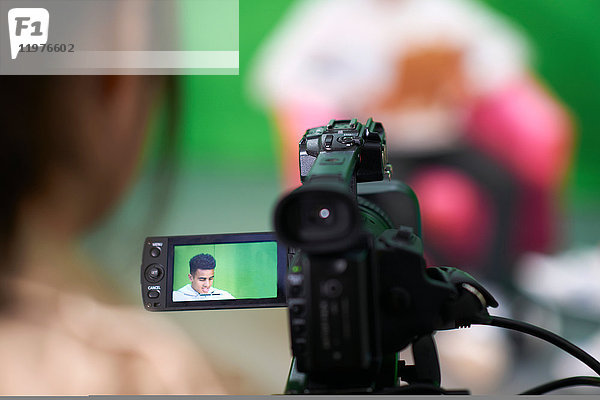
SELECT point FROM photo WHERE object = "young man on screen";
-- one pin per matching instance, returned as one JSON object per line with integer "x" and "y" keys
{"x": 202, "y": 273}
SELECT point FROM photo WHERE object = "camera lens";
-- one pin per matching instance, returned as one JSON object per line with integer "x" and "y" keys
{"x": 324, "y": 213}
{"x": 318, "y": 217}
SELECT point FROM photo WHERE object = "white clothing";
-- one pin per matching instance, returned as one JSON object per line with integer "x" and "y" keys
{"x": 187, "y": 293}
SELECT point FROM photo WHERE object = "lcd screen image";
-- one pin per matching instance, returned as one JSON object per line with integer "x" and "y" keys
{"x": 225, "y": 271}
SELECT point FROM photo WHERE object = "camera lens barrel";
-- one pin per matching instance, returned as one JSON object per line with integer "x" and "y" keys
{"x": 318, "y": 217}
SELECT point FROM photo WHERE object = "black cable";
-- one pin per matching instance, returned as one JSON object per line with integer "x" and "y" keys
{"x": 563, "y": 383}
{"x": 546, "y": 335}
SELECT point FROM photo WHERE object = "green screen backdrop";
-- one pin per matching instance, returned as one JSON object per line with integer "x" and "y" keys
{"x": 225, "y": 132}
{"x": 246, "y": 270}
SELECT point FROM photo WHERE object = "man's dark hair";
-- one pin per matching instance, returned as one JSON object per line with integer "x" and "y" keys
{"x": 202, "y": 261}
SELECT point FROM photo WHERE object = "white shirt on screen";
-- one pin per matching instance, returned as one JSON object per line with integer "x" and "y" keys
{"x": 187, "y": 293}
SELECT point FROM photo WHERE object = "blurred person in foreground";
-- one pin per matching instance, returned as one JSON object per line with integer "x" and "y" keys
{"x": 70, "y": 146}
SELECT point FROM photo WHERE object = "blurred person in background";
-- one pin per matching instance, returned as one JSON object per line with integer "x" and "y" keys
{"x": 70, "y": 148}
{"x": 482, "y": 142}
{"x": 476, "y": 135}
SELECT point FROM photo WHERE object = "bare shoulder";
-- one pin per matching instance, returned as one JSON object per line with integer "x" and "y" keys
{"x": 72, "y": 344}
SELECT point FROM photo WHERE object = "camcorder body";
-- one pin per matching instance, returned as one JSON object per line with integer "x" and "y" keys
{"x": 358, "y": 287}
{"x": 350, "y": 257}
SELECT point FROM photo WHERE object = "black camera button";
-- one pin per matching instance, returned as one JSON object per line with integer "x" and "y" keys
{"x": 153, "y": 294}
{"x": 332, "y": 288}
{"x": 404, "y": 233}
{"x": 339, "y": 266}
{"x": 297, "y": 309}
{"x": 154, "y": 273}
{"x": 298, "y": 328}
{"x": 300, "y": 347}
{"x": 155, "y": 252}
{"x": 328, "y": 141}
{"x": 295, "y": 290}
{"x": 295, "y": 282}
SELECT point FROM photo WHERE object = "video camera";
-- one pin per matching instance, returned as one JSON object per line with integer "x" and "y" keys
{"x": 346, "y": 260}
{"x": 358, "y": 290}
